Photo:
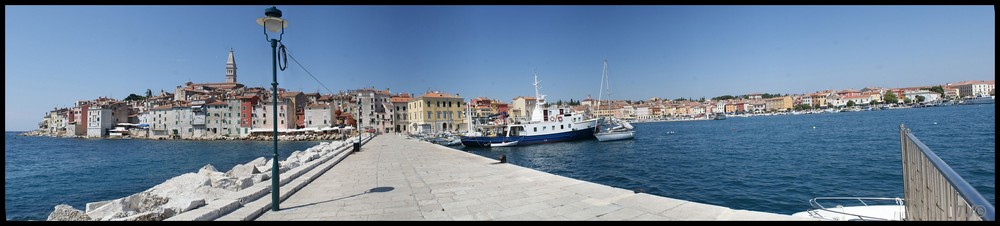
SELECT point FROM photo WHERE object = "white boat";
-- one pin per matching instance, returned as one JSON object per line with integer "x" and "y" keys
{"x": 612, "y": 129}
{"x": 615, "y": 135}
{"x": 870, "y": 209}
{"x": 504, "y": 144}
{"x": 981, "y": 99}
{"x": 547, "y": 125}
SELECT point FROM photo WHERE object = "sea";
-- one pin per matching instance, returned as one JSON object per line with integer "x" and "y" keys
{"x": 774, "y": 163}
{"x": 766, "y": 163}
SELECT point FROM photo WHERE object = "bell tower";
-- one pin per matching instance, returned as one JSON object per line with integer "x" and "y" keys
{"x": 231, "y": 68}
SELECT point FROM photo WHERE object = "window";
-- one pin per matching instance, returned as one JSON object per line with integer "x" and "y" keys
{"x": 561, "y": 127}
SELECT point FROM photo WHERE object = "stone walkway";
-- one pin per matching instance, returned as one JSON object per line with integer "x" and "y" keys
{"x": 395, "y": 178}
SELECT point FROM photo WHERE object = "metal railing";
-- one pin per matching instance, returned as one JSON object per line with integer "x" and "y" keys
{"x": 932, "y": 189}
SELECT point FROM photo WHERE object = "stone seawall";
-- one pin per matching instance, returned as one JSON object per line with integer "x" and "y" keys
{"x": 205, "y": 188}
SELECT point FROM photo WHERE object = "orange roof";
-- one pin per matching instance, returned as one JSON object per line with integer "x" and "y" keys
{"x": 399, "y": 99}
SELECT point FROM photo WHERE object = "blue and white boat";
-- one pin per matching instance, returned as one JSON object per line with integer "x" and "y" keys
{"x": 545, "y": 126}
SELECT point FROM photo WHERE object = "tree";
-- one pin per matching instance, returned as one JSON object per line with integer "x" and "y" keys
{"x": 133, "y": 97}
{"x": 723, "y": 97}
{"x": 149, "y": 93}
{"x": 850, "y": 103}
{"x": 873, "y": 102}
{"x": 907, "y": 100}
{"x": 679, "y": 99}
{"x": 829, "y": 105}
{"x": 890, "y": 97}
{"x": 804, "y": 106}
{"x": 937, "y": 89}
{"x": 920, "y": 98}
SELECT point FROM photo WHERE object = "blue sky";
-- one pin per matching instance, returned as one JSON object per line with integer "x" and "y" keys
{"x": 55, "y": 55}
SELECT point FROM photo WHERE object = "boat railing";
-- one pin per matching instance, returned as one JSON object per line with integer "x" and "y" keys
{"x": 933, "y": 190}
{"x": 815, "y": 202}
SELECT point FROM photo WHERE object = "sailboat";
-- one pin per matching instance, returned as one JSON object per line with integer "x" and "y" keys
{"x": 611, "y": 129}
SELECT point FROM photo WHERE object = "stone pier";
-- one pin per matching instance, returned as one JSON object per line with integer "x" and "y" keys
{"x": 396, "y": 178}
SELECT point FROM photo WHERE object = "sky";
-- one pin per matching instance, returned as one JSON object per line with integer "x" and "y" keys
{"x": 56, "y": 55}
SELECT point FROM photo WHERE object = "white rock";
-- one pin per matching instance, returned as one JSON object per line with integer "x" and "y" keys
{"x": 242, "y": 170}
{"x": 289, "y": 165}
{"x": 205, "y": 170}
{"x": 94, "y": 205}
{"x": 259, "y": 162}
{"x": 65, "y": 212}
{"x": 180, "y": 205}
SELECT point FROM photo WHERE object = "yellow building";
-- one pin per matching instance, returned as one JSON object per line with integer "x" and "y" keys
{"x": 778, "y": 103}
{"x": 818, "y": 100}
{"x": 521, "y": 108}
{"x": 436, "y": 112}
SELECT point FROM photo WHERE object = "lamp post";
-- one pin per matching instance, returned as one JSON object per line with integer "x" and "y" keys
{"x": 357, "y": 146}
{"x": 272, "y": 22}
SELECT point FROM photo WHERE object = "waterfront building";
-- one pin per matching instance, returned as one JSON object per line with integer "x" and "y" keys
{"x": 730, "y": 108}
{"x": 951, "y": 92}
{"x": 643, "y": 113}
{"x": 246, "y": 112}
{"x": 57, "y": 121}
{"x": 779, "y": 104}
{"x": 818, "y": 100}
{"x": 929, "y": 96}
{"x": 976, "y": 88}
{"x": 262, "y": 120}
{"x": 758, "y": 106}
{"x": 318, "y": 116}
{"x": 100, "y": 120}
{"x": 373, "y": 107}
{"x": 158, "y": 120}
{"x": 299, "y": 102}
{"x": 437, "y": 112}
{"x": 400, "y": 114}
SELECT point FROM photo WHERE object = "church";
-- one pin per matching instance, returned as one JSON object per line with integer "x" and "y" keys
{"x": 184, "y": 93}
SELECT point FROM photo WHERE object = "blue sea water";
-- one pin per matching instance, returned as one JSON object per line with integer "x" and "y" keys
{"x": 42, "y": 172}
{"x": 774, "y": 163}
{"x": 770, "y": 163}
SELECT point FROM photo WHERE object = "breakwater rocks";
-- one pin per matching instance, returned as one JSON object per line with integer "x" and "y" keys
{"x": 190, "y": 191}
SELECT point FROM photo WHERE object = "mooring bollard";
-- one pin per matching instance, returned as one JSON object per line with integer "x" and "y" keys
{"x": 503, "y": 158}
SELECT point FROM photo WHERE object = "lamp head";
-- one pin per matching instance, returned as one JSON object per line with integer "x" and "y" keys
{"x": 272, "y": 20}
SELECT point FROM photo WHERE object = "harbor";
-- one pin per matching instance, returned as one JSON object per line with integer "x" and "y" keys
{"x": 429, "y": 113}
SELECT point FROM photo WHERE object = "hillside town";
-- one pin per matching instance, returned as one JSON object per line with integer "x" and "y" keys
{"x": 231, "y": 110}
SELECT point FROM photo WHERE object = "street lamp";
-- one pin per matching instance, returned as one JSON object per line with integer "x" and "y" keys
{"x": 272, "y": 22}
{"x": 357, "y": 146}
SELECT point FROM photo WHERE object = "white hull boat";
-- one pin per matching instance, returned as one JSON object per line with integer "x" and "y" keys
{"x": 615, "y": 135}
{"x": 863, "y": 212}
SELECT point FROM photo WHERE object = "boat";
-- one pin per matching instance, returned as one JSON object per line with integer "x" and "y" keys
{"x": 611, "y": 129}
{"x": 720, "y": 116}
{"x": 981, "y": 99}
{"x": 504, "y": 144}
{"x": 892, "y": 209}
{"x": 545, "y": 126}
